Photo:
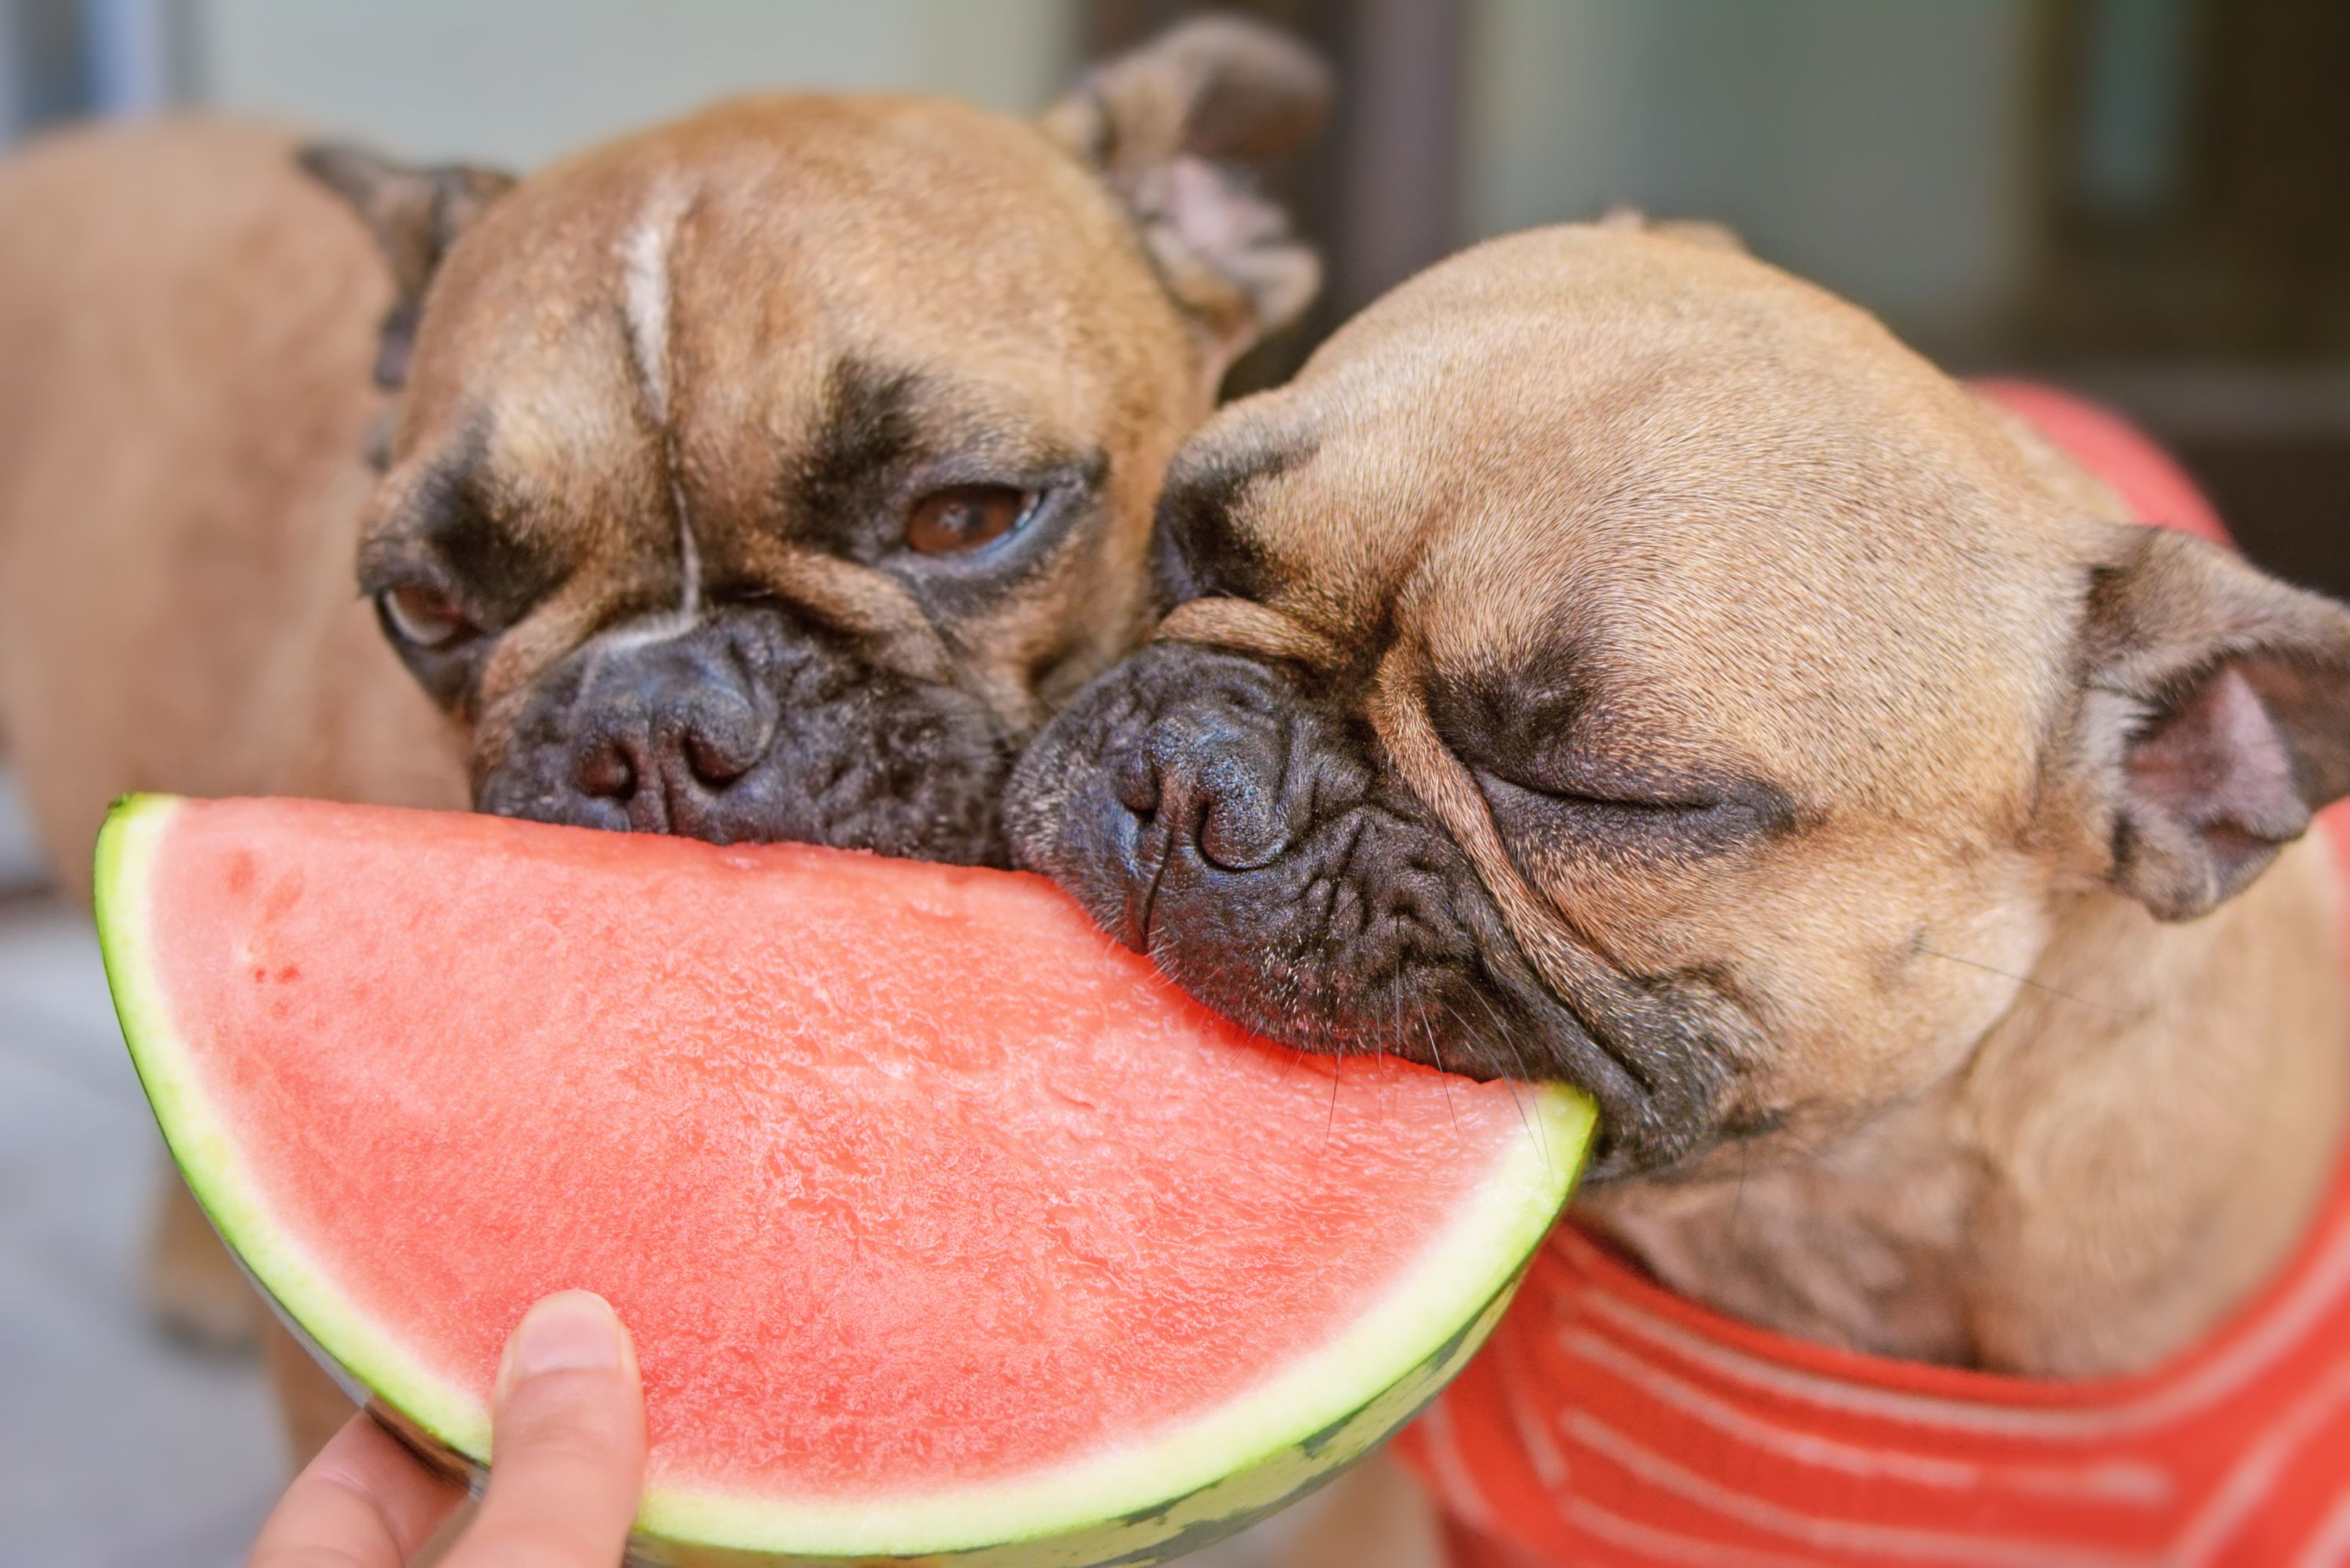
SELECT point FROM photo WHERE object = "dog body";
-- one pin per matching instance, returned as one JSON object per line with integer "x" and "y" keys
{"x": 189, "y": 326}
{"x": 769, "y": 474}
{"x": 1614, "y": 660}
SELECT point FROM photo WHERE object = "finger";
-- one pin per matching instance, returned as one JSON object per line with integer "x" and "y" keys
{"x": 566, "y": 1445}
{"x": 364, "y": 1503}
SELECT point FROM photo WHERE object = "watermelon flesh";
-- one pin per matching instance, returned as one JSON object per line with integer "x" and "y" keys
{"x": 943, "y": 1223}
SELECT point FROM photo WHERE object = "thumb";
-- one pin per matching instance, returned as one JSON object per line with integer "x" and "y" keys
{"x": 567, "y": 1443}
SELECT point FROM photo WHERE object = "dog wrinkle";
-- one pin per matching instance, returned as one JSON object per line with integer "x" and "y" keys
{"x": 853, "y": 600}
{"x": 1245, "y": 627}
{"x": 1195, "y": 550}
{"x": 1676, "y": 1042}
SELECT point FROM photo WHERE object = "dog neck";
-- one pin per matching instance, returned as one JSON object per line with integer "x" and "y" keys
{"x": 2132, "y": 1151}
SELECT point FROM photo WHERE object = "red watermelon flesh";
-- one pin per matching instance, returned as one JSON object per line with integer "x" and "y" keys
{"x": 911, "y": 1184}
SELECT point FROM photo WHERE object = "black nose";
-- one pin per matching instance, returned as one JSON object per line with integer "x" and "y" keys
{"x": 663, "y": 729}
{"x": 1213, "y": 780}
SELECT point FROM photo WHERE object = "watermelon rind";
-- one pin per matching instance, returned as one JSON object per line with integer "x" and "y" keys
{"x": 205, "y": 1150}
{"x": 1158, "y": 1499}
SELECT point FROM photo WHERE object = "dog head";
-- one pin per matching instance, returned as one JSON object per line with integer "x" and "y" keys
{"x": 1615, "y": 660}
{"x": 770, "y": 473}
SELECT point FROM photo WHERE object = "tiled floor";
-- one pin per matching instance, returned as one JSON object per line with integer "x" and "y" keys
{"x": 117, "y": 1450}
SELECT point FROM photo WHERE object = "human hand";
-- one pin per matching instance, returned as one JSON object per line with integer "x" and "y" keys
{"x": 568, "y": 1433}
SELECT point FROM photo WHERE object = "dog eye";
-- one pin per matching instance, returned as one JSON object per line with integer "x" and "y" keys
{"x": 1690, "y": 822}
{"x": 958, "y": 520}
{"x": 422, "y": 617}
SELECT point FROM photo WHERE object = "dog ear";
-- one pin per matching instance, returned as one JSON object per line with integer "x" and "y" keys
{"x": 2215, "y": 716}
{"x": 415, "y": 216}
{"x": 1176, "y": 129}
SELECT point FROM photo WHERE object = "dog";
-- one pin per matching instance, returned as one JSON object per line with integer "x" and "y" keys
{"x": 769, "y": 474}
{"x": 1616, "y": 662}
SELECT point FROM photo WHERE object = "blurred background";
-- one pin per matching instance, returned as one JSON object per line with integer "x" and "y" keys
{"x": 2147, "y": 200}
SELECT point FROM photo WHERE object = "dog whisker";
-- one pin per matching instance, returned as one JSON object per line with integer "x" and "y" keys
{"x": 1533, "y": 1128}
{"x": 1337, "y": 1065}
{"x": 1509, "y": 1038}
{"x": 2018, "y": 979}
{"x": 1810, "y": 1151}
{"x": 1436, "y": 1051}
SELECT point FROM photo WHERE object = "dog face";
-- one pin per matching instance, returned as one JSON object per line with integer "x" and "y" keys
{"x": 1616, "y": 662}
{"x": 769, "y": 474}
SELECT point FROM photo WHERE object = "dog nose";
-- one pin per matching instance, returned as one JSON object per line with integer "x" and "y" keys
{"x": 665, "y": 731}
{"x": 1214, "y": 781}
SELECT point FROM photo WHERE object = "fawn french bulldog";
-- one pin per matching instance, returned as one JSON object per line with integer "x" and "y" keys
{"x": 1614, "y": 660}
{"x": 767, "y": 475}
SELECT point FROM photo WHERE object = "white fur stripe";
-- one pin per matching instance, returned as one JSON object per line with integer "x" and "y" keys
{"x": 2132, "y": 1484}
{"x": 2256, "y": 1473}
{"x": 1871, "y": 1542}
{"x": 2277, "y": 1331}
{"x": 647, "y": 290}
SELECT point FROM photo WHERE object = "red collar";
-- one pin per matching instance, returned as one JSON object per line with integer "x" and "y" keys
{"x": 1611, "y": 1422}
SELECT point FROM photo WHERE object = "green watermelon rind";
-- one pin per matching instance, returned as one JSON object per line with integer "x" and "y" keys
{"x": 1170, "y": 1494}
{"x": 205, "y": 1151}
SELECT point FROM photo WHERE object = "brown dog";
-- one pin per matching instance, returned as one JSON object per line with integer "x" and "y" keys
{"x": 769, "y": 474}
{"x": 1613, "y": 660}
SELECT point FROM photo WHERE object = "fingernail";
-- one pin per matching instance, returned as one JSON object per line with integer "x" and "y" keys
{"x": 576, "y": 1331}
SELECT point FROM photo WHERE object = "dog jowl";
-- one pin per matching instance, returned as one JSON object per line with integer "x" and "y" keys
{"x": 770, "y": 475}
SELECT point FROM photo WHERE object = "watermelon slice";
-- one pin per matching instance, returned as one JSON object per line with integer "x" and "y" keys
{"x": 945, "y": 1225}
